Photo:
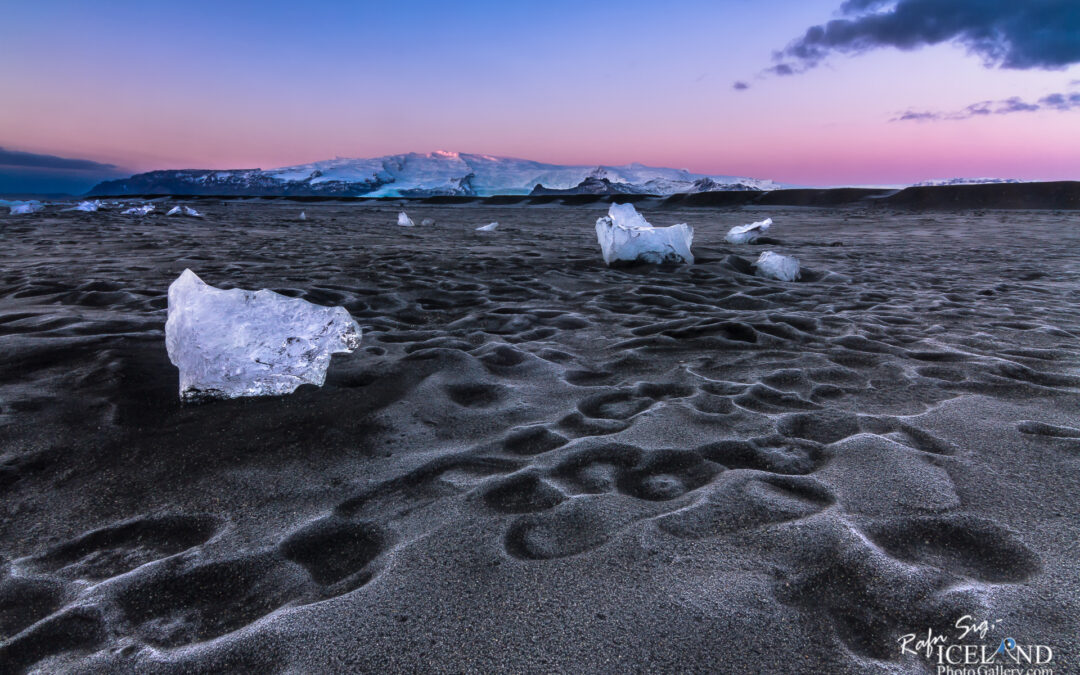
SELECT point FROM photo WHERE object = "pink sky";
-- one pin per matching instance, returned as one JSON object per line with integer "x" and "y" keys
{"x": 147, "y": 89}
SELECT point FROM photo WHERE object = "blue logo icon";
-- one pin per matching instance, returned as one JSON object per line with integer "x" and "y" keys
{"x": 1008, "y": 644}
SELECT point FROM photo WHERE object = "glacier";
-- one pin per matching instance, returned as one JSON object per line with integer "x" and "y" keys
{"x": 747, "y": 234}
{"x": 625, "y": 236}
{"x": 775, "y": 266}
{"x": 421, "y": 175}
{"x": 965, "y": 181}
{"x": 458, "y": 173}
{"x": 233, "y": 343}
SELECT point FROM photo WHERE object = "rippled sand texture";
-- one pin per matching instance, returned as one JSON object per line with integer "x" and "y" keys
{"x": 535, "y": 462}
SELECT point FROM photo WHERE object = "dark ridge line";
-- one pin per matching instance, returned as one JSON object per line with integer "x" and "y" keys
{"x": 1046, "y": 195}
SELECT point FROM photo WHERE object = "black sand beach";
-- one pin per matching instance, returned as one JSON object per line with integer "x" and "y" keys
{"x": 535, "y": 463}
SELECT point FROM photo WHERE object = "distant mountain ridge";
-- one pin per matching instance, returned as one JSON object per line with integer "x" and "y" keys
{"x": 604, "y": 186}
{"x": 425, "y": 175}
{"x": 965, "y": 181}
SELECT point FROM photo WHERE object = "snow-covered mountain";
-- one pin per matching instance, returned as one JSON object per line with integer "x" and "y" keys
{"x": 421, "y": 175}
{"x": 964, "y": 181}
{"x": 656, "y": 186}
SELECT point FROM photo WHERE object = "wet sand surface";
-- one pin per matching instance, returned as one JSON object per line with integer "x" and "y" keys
{"x": 537, "y": 463}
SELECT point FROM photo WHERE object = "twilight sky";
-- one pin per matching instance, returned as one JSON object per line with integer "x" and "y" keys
{"x": 890, "y": 92}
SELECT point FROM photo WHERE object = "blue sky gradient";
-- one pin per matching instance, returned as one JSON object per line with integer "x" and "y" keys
{"x": 146, "y": 85}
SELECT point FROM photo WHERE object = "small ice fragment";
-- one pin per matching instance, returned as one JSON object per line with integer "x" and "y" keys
{"x": 490, "y": 227}
{"x": 232, "y": 343}
{"x": 404, "y": 220}
{"x": 303, "y": 216}
{"x": 775, "y": 266}
{"x": 625, "y": 235}
{"x": 747, "y": 234}
{"x": 89, "y": 206}
{"x": 184, "y": 211}
{"x": 23, "y": 208}
{"x": 427, "y": 222}
{"x": 138, "y": 210}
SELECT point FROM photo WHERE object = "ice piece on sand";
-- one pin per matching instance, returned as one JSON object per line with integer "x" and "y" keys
{"x": 303, "y": 216}
{"x": 89, "y": 206}
{"x": 427, "y": 222}
{"x": 25, "y": 208}
{"x": 138, "y": 210}
{"x": 404, "y": 220}
{"x": 746, "y": 234}
{"x": 775, "y": 266}
{"x": 625, "y": 235}
{"x": 490, "y": 227}
{"x": 184, "y": 211}
{"x": 236, "y": 343}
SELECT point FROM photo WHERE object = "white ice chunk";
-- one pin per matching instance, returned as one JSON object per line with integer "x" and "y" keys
{"x": 625, "y": 235}
{"x": 236, "y": 343}
{"x": 490, "y": 227}
{"x": 303, "y": 216}
{"x": 427, "y": 222}
{"x": 138, "y": 210}
{"x": 626, "y": 216}
{"x": 404, "y": 220}
{"x": 25, "y": 208}
{"x": 184, "y": 211}
{"x": 746, "y": 234}
{"x": 89, "y": 206}
{"x": 775, "y": 266}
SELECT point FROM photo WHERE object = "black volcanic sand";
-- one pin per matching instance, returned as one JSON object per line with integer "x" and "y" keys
{"x": 536, "y": 463}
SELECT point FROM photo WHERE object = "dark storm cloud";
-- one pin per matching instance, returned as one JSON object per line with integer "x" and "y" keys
{"x": 1061, "y": 101}
{"x": 1014, "y": 104}
{"x": 1004, "y": 33}
{"x": 33, "y": 173}
{"x": 1007, "y": 106}
{"x": 740, "y": 86}
{"x": 30, "y": 160}
{"x": 917, "y": 116}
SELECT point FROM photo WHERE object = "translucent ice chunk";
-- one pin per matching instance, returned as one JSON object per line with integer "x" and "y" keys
{"x": 138, "y": 210}
{"x": 625, "y": 235}
{"x": 25, "y": 208}
{"x": 427, "y": 222}
{"x": 89, "y": 206}
{"x": 746, "y": 234}
{"x": 490, "y": 227}
{"x": 303, "y": 216}
{"x": 184, "y": 211}
{"x": 236, "y": 343}
{"x": 404, "y": 220}
{"x": 775, "y": 266}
